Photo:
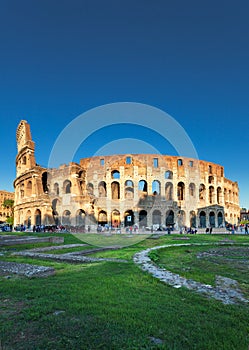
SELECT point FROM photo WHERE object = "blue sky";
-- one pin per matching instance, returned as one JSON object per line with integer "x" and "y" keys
{"x": 187, "y": 58}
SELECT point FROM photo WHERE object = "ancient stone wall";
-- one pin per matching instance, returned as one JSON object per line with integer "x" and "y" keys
{"x": 123, "y": 190}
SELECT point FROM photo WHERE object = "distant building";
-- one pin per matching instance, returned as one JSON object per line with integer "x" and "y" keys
{"x": 5, "y": 213}
{"x": 244, "y": 214}
{"x": 122, "y": 190}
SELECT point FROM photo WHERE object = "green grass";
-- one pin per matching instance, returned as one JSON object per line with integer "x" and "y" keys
{"x": 111, "y": 305}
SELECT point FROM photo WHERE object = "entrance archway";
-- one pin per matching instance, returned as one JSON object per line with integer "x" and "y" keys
{"x": 115, "y": 218}
{"x": 129, "y": 218}
{"x": 170, "y": 217}
{"x": 202, "y": 219}
{"x": 143, "y": 218}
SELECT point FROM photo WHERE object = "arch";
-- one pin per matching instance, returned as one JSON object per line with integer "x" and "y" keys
{"x": 115, "y": 174}
{"x": 181, "y": 191}
{"x": 129, "y": 189}
{"x": 102, "y": 189}
{"x": 29, "y": 188}
{"x": 210, "y": 179}
{"x": 169, "y": 191}
{"x": 156, "y": 217}
{"x": 143, "y": 218}
{"x": 202, "y": 192}
{"x": 22, "y": 190}
{"x": 90, "y": 189}
{"x": 220, "y": 219}
{"x": 170, "y": 217}
{"x": 80, "y": 218}
{"x": 27, "y": 221}
{"x": 66, "y": 217}
{"x": 67, "y": 186}
{"x": 192, "y": 189}
{"x": 219, "y": 192}
{"x": 225, "y": 195}
{"x": 179, "y": 162}
{"x": 211, "y": 194}
{"x": 212, "y": 219}
{"x": 156, "y": 187}
{"x": 115, "y": 186}
{"x": 115, "y": 218}
{"x": 168, "y": 175}
{"x": 181, "y": 218}
{"x": 142, "y": 186}
{"x": 37, "y": 217}
{"x": 192, "y": 218}
{"x": 45, "y": 182}
{"x": 24, "y": 160}
{"x": 56, "y": 189}
{"x": 55, "y": 212}
{"x": 129, "y": 218}
{"x": 102, "y": 218}
{"x": 202, "y": 218}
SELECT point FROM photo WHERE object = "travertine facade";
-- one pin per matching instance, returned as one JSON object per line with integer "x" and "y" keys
{"x": 5, "y": 213}
{"x": 122, "y": 190}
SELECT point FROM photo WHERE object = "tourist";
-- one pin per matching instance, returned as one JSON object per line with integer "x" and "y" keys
{"x": 246, "y": 229}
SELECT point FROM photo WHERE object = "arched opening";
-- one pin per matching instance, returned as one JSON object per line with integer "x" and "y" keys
{"x": 142, "y": 186}
{"x": 169, "y": 191}
{"x": 80, "y": 218}
{"x": 37, "y": 217}
{"x": 45, "y": 182}
{"x": 211, "y": 194}
{"x": 156, "y": 217}
{"x": 29, "y": 189}
{"x": 219, "y": 192}
{"x": 56, "y": 189}
{"x": 168, "y": 175}
{"x": 192, "y": 217}
{"x": 115, "y": 174}
{"x": 115, "y": 218}
{"x": 203, "y": 219}
{"x": 180, "y": 191}
{"x": 181, "y": 218}
{"x": 102, "y": 189}
{"x": 67, "y": 186}
{"x": 115, "y": 190}
{"x": 66, "y": 217}
{"x": 143, "y": 218}
{"x": 27, "y": 221}
{"x": 156, "y": 187}
{"x": 212, "y": 219}
{"x": 192, "y": 190}
{"x": 24, "y": 160}
{"x": 170, "y": 218}
{"x": 220, "y": 219}
{"x": 55, "y": 212}
{"x": 129, "y": 218}
{"x": 129, "y": 189}
{"x": 102, "y": 218}
{"x": 210, "y": 179}
{"x": 202, "y": 192}
{"x": 90, "y": 189}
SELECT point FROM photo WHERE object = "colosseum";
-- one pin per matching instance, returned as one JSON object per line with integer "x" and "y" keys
{"x": 141, "y": 190}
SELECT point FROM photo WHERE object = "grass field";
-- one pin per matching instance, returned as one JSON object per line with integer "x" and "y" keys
{"x": 110, "y": 305}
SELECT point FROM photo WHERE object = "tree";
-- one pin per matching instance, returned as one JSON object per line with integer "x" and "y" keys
{"x": 9, "y": 204}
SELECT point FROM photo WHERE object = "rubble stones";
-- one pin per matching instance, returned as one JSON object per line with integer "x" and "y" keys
{"x": 226, "y": 290}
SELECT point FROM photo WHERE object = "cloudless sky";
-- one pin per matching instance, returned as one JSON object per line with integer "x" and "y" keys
{"x": 188, "y": 58}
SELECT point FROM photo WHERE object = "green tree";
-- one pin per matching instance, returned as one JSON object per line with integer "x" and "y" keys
{"x": 9, "y": 204}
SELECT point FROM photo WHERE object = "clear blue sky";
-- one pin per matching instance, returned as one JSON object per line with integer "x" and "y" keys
{"x": 188, "y": 58}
